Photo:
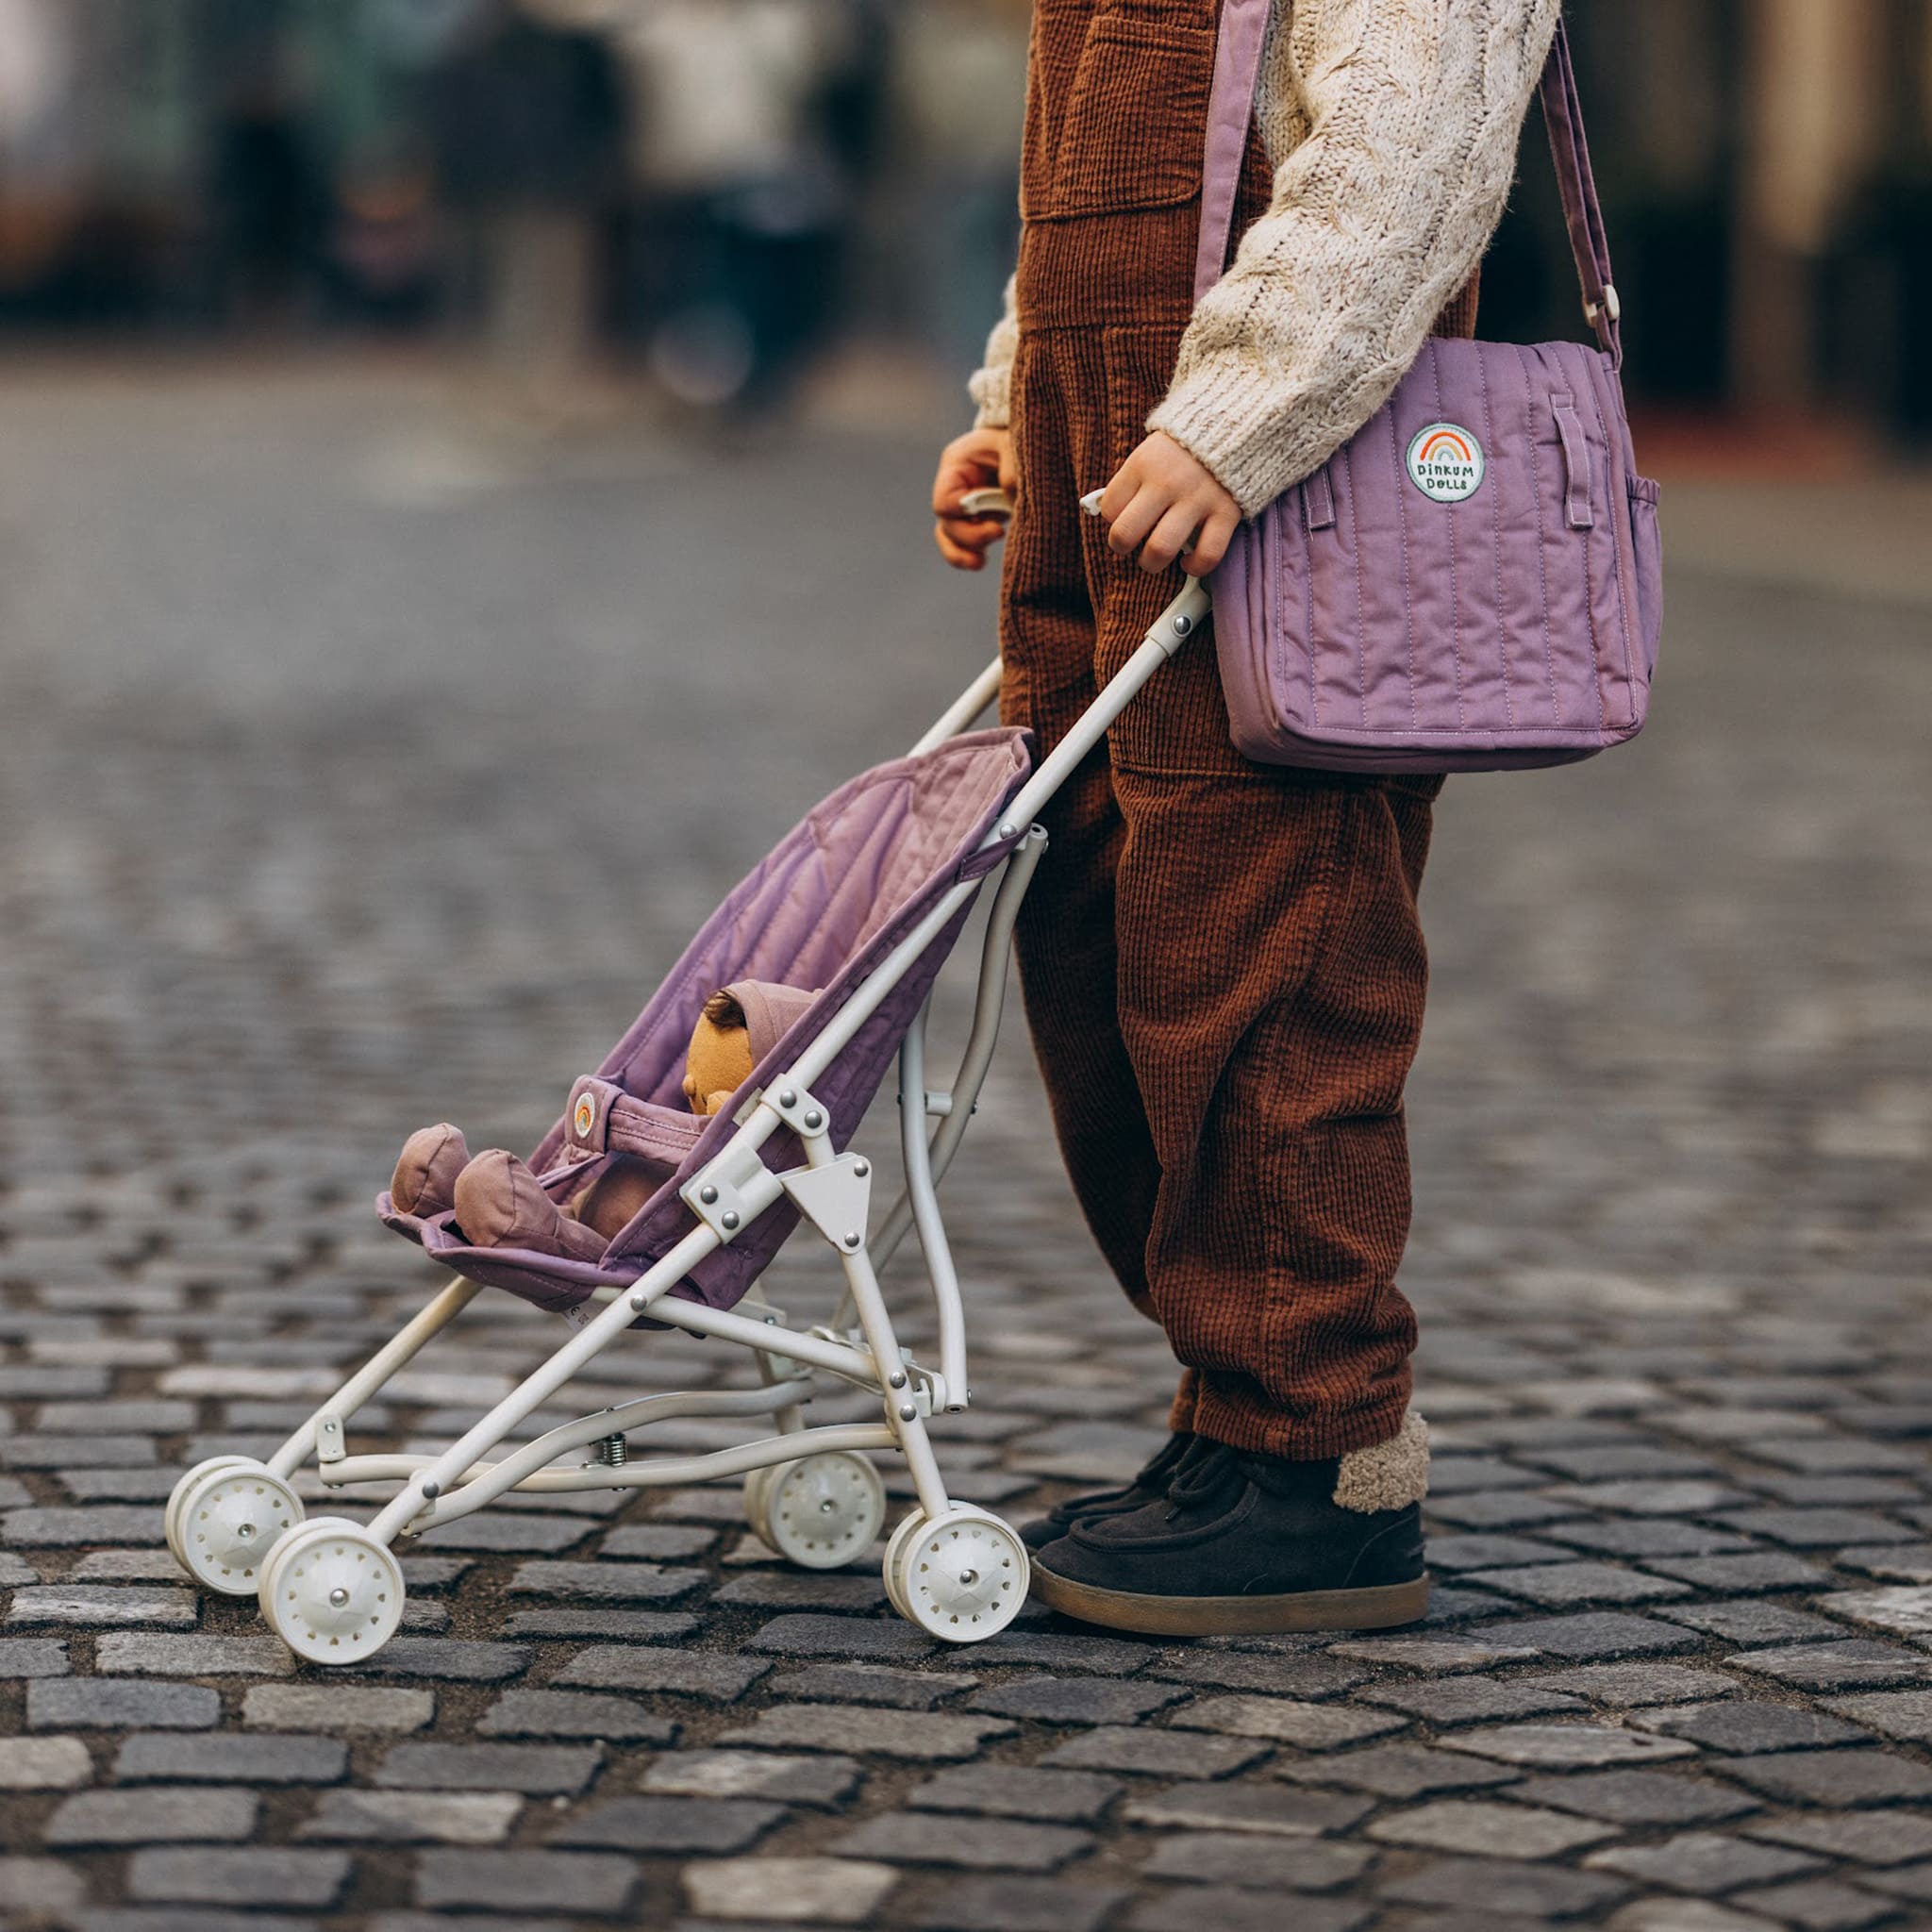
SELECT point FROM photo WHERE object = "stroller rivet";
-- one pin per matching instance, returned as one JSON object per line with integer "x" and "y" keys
{"x": 244, "y": 1531}
{"x": 1007, "y": 828}
{"x": 907, "y": 1413}
{"x": 638, "y": 1303}
{"x": 707, "y": 1194}
{"x": 862, "y": 1168}
{"x": 896, "y": 1379}
{"x": 789, "y": 1097}
{"x": 729, "y": 1219}
{"x": 1183, "y": 624}
{"x": 969, "y": 1577}
{"x": 339, "y": 1597}
{"x": 814, "y": 1120}
{"x": 431, "y": 1491}
{"x": 852, "y": 1240}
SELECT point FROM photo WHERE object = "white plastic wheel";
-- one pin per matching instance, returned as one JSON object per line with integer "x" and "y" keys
{"x": 171, "y": 1520}
{"x": 230, "y": 1518}
{"x": 757, "y": 1487}
{"x": 331, "y": 1593}
{"x": 962, "y": 1577}
{"x": 824, "y": 1510}
{"x": 906, "y": 1528}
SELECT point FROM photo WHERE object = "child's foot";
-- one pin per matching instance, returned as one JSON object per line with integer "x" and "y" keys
{"x": 426, "y": 1178}
{"x": 499, "y": 1204}
{"x": 1245, "y": 1544}
{"x": 1148, "y": 1487}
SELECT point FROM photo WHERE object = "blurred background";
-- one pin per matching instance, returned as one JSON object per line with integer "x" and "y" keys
{"x": 725, "y": 200}
{"x": 465, "y": 484}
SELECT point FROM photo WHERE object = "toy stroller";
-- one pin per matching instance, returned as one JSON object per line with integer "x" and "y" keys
{"x": 864, "y": 899}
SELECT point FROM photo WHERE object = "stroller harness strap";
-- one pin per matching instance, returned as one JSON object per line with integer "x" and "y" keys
{"x": 601, "y": 1118}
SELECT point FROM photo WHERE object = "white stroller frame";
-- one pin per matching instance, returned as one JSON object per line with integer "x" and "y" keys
{"x": 332, "y": 1590}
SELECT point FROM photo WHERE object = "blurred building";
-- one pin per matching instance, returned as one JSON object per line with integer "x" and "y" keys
{"x": 813, "y": 167}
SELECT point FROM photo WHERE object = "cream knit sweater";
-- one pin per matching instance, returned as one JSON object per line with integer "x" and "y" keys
{"x": 1392, "y": 126}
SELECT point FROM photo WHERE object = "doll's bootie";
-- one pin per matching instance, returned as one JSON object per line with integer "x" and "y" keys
{"x": 500, "y": 1205}
{"x": 424, "y": 1181}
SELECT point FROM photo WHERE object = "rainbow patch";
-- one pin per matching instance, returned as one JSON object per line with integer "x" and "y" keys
{"x": 1445, "y": 462}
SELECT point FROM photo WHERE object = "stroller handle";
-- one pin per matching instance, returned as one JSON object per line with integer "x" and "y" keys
{"x": 1165, "y": 636}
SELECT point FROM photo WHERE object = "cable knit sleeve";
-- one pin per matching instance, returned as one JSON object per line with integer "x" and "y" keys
{"x": 990, "y": 385}
{"x": 1395, "y": 123}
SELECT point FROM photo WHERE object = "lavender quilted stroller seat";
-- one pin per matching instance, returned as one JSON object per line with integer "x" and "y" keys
{"x": 857, "y": 906}
{"x": 828, "y": 904}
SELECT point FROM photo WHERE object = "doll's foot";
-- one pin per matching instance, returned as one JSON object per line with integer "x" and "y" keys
{"x": 500, "y": 1205}
{"x": 425, "y": 1177}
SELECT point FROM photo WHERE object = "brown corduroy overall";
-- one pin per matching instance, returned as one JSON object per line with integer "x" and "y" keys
{"x": 1222, "y": 964}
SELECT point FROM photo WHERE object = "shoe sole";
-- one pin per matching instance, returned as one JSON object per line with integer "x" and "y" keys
{"x": 1379, "y": 1608}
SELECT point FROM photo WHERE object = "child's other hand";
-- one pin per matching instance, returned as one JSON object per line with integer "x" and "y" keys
{"x": 1159, "y": 499}
{"x": 977, "y": 460}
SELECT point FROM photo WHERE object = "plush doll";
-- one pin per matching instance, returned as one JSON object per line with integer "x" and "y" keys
{"x": 499, "y": 1202}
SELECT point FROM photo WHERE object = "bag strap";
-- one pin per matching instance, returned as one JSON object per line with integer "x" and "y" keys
{"x": 1231, "y": 109}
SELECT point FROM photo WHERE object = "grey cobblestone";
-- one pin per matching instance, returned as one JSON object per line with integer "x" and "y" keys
{"x": 58, "y": 1704}
{"x": 1265, "y": 1863}
{"x": 684, "y": 1674}
{"x": 598, "y": 1883}
{"x": 342, "y": 1706}
{"x": 537, "y": 1770}
{"x": 1680, "y": 1505}
{"x": 1014, "y": 1791}
{"x": 152, "y": 1817}
{"x": 460, "y": 1818}
{"x": 44, "y": 1764}
{"x": 232, "y": 1876}
{"x": 1482, "y": 1828}
{"x": 225, "y": 1758}
{"x": 678, "y": 1825}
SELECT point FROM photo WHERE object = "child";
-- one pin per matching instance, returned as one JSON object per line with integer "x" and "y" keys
{"x": 1223, "y": 963}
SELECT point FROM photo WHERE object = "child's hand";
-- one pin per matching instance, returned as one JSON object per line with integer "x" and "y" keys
{"x": 977, "y": 460}
{"x": 1159, "y": 499}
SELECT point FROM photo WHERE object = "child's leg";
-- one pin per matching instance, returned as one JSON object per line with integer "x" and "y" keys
{"x": 1271, "y": 1000}
{"x": 1068, "y": 962}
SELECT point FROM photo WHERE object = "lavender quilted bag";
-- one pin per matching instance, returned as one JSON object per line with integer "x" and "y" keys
{"x": 1475, "y": 582}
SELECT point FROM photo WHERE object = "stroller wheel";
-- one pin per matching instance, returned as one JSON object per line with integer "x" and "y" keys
{"x": 822, "y": 1511}
{"x": 227, "y": 1521}
{"x": 906, "y": 1528}
{"x": 757, "y": 1487}
{"x": 960, "y": 1577}
{"x": 331, "y": 1593}
{"x": 171, "y": 1521}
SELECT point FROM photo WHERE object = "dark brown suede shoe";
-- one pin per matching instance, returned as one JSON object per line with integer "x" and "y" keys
{"x": 1240, "y": 1545}
{"x": 1149, "y": 1486}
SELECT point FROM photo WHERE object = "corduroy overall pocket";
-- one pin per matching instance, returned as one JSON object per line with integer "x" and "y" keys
{"x": 1132, "y": 72}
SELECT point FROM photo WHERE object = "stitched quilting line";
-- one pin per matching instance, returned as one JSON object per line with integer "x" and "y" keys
{"x": 1535, "y": 486}
{"x": 1415, "y": 716}
{"x": 1482, "y": 376}
{"x": 1616, "y": 551}
{"x": 1596, "y": 657}
{"x": 1361, "y": 646}
{"x": 1455, "y": 601}
{"x": 1308, "y": 616}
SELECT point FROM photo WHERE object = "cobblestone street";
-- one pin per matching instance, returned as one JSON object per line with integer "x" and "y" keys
{"x": 359, "y": 770}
